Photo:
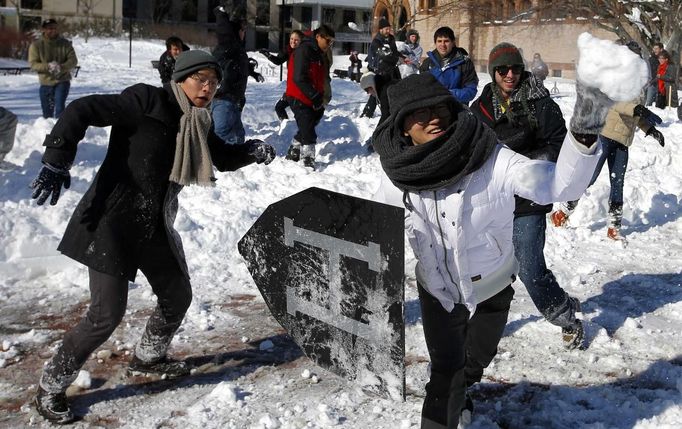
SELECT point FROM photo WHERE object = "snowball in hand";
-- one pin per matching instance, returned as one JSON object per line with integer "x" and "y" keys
{"x": 615, "y": 70}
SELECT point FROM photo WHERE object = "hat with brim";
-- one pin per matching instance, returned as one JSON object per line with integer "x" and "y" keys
{"x": 192, "y": 61}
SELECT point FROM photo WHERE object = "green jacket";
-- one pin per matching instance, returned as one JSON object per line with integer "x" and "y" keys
{"x": 44, "y": 51}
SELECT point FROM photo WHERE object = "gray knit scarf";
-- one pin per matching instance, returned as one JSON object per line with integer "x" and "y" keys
{"x": 465, "y": 146}
{"x": 530, "y": 88}
{"x": 192, "y": 163}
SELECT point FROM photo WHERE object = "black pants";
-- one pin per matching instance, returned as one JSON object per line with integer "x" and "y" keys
{"x": 459, "y": 349}
{"x": 108, "y": 300}
{"x": 281, "y": 108}
{"x": 382, "y": 83}
{"x": 307, "y": 119}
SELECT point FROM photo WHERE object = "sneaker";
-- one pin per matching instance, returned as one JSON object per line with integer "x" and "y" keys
{"x": 53, "y": 407}
{"x": 558, "y": 218}
{"x": 309, "y": 161}
{"x": 294, "y": 153}
{"x": 573, "y": 335}
{"x": 163, "y": 367}
{"x": 467, "y": 414}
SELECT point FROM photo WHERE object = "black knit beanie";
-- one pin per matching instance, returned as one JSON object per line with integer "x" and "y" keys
{"x": 504, "y": 54}
{"x": 192, "y": 61}
{"x": 414, "y": 92}
{"x": 383, "y": 23}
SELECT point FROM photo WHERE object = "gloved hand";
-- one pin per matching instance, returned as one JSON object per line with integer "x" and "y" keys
{"x": 259, "y": 77}
{"x": 49, "y": 182}
{"x": 318, "y": 101}
{"x": 589, "y": 113}
{"x": 647, "y": 115}
{"x": 263, "y": 152}
{"x": 653, "y": 132}
{"x": 54, "y": 68}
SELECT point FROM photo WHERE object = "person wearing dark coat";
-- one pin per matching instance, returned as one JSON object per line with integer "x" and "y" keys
{"x": 174, "y": 47}
{"x": 652, "y": 88}
{"x": 278, "y": 59}
{"x": 451, "y": 65}
{"x": 161, "y": 140}
{"x": 519, "y": 109}
{"x": 382, "y": 61}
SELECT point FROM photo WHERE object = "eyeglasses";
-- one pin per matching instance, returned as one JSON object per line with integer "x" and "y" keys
{"x": 504, "y": 70}
{"x": 203, "y": 80}
{"x": 424, "y": 114}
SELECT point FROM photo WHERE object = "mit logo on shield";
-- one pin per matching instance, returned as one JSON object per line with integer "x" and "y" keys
{"x": 330, "y": 268}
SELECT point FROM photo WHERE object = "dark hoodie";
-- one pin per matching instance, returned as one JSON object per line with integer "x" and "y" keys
{"x": 233, "y": 60}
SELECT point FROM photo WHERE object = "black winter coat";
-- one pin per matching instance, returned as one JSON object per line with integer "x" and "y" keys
{"x": 233, "y": 61}
{"x": 166, "y": 66}
{"x": 131, "y": 197}
{"x": 541, "y": 142}
{"x": 383, "y": 57}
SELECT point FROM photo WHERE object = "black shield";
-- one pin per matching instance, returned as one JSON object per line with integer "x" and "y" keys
{"x": 330, "y": 268}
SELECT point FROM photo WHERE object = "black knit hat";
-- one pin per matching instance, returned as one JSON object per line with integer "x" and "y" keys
{"x": 49, "y": 21}
{"x": 192, "y": 61}
{"x": 414, "y": 92}
{"x": 504, "y": 54}
{"x": 383, "y": 23}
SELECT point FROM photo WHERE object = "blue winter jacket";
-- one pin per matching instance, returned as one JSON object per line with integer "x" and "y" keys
{"x": 458, "y": 76}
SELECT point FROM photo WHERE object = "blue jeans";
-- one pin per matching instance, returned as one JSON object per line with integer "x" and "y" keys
{"x": 53, "y": 98}
{"x": 529, "y": 245}
{"x": 617, "y": 156}
{"x": 227, "y": 121}
{"x": 651, "y": 91}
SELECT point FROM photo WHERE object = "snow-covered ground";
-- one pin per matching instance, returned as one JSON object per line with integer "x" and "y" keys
{"x": 630, "y": 376}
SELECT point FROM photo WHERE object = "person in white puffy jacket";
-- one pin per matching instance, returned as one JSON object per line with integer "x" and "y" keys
{"x": 458, "y": 183}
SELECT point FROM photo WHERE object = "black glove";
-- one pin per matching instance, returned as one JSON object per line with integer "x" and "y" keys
{"x": 653, "y": 132}
{"x": 263, "y": 152}
{"x": 259, "y": 77}
{"x": 252, "y": 65}
{"x": 49, "y": 182}
{"x": 264, "y": 52}
{"x": 318, "y": 101}
{"x": 647, "y": 115}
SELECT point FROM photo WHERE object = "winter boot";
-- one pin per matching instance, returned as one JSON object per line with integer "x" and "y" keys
{"x": 560, "y": 216}
{"x": 573, "y": 335}
{"x": 53, "y": 407}
{"x": 164, "y": 367}
{"x": 467, "y": 413}
{"x": 294, "y": 152}
{"x": 308, "y": 153}
{"x": 615, "y": 221}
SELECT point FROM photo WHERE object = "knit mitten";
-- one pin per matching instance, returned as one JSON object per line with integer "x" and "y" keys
{"x": 589, "y": 112}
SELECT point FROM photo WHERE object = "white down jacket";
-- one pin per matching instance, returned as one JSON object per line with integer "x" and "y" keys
{"x": 462, "y": 234}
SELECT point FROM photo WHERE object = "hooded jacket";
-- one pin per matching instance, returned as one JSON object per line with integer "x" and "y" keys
{"x": 539, "y": 137}
{"x": 307, "y": 73}
{"x": 233, "y": 61}
{"x": 621, "y": 122}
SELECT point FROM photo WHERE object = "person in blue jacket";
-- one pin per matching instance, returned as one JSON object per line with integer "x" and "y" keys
{"x": 451, "y": 66}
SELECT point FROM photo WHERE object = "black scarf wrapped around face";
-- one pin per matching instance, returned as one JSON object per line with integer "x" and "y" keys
{"x": 465, "y": 146}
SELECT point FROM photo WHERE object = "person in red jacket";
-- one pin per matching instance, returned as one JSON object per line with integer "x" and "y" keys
{"x": 306, "y": 76}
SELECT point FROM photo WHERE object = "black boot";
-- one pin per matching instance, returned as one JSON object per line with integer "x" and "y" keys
{"x": 53, "y": 407}
{"x": 309, "y": 161}
{"x": 294, "y": 153}
{"x": 163, "y": 367}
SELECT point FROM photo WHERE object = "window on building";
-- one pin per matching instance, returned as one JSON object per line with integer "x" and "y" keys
{"x": 307, "y": 16}
{"x": 556, "y": 72}
{"x": 263, "y": 12}
{"x": 212, "y": 4}
{"x": 32, "y": 4}
{"x": 262, "y": 39}
{"x": 348, "y": 16}
{"x": 286, "y": 16}
{"x": 329, "y": 17}
{"x": 430, "y": 4}
{"x": 189, "y": 11}
{"x": 129, "y": 9}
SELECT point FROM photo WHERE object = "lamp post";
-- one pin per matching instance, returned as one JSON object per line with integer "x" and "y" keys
{"x": 282, "y": 39}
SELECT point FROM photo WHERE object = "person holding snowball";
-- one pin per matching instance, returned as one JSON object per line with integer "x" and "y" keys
{"x": 458, "y": 183}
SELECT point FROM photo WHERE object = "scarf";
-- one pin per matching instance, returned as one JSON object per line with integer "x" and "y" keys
{"x": 192, "y": 163}
{"x": 662, "y": 68}
{"x": 530, "y": 88}
{"x": 465, "y": 146}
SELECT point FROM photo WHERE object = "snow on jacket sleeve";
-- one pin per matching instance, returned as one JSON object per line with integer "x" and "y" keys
{"x": 546, "y": 182}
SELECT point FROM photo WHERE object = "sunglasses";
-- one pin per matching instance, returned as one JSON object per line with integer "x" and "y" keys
{"x": 504, "y": 70}
{"x": 423, "y": 115}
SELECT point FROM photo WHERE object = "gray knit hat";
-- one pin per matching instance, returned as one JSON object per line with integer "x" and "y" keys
{"x": 192, "y": 61}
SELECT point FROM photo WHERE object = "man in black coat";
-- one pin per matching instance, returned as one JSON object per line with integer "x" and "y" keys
{"x": 161, "y": 140}
{"x": 518, "y": 107}
{"x": 652, "y": 89}
{"x": 174, "y": 47}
